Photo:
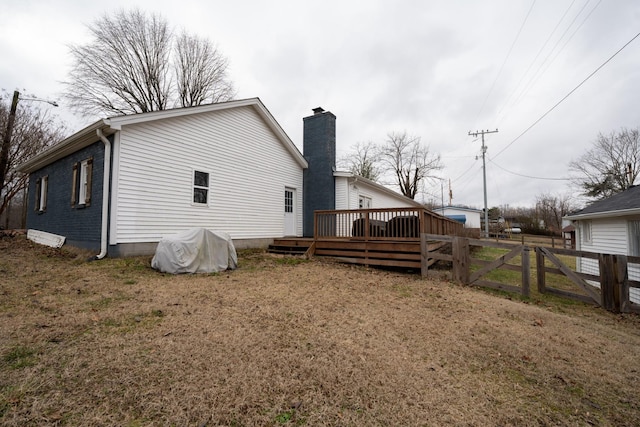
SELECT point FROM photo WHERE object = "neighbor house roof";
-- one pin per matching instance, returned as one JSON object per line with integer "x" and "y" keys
{"x": 458, "y": 208}
{"x": 382, "y": 188}
{"x": 621, "y": 204}
{"x": 87, "y": 136}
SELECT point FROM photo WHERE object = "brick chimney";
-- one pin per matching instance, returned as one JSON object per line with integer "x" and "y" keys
{"x": 319, "y": 148}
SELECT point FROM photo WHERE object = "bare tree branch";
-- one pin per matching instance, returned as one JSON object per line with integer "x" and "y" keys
{"x": 363, "y": 160}
{"x": 127, "y": 68}
{"x": 34, "y": 130}
{"x": 610, "y": 166}
{"x": 410, "y": 161}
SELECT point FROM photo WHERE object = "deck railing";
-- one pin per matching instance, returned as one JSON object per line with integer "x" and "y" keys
{"x": 382, "y": 224}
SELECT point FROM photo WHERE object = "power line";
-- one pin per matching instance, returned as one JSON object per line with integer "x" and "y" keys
{"x": 567, "y": 95}
{"x": 528, "y": 176}
{"x": 531, "y": 65}
{"x": 506, "y": 59}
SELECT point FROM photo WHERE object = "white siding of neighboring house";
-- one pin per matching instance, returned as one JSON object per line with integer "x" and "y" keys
{"x": 608, "y": 236}
{"x": 248, "y": 168}
{"x": 347, "y": 195}
{"x": 473, "y": 217}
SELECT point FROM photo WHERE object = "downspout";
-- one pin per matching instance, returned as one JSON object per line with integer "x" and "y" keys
{"x": 105, "y": 194}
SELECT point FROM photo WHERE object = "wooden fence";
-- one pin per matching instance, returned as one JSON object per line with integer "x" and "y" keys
{"x": 611, "y": 288}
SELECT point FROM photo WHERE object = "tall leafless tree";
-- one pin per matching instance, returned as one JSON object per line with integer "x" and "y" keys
{"x": 34, "y": 129}
{"x": 201, "y": 72}
{"x": 411, "y": 162}
{"x": 363, "y": 160}
{"x": 128, "y": 68}
{"x": 610, "y": 166}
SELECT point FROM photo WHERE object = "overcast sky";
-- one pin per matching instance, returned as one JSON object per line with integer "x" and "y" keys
{"x": 436, "y": 69}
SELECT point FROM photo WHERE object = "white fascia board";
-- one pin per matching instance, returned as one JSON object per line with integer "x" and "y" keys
{"x": 73, "y": 143}
{"x": 609, "y": 214}
{"x": 256, "y": 103}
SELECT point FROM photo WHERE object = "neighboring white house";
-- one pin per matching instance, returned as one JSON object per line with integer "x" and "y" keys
{"x": 610, "y": 226}
{"x": 226, "y": 166}
{"x": 468, "y": 216}
{"x": 356, "y": 192}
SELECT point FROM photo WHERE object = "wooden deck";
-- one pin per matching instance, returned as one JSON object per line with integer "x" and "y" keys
{"x": 375, "y": 237}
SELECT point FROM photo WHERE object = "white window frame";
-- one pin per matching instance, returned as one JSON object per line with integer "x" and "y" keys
{"x": 364, "y": 202}
{"x": 195, "y": 187}
{"x": 288, "y": 201}
{"x": 634, "y": 237}
{"x": 42, "y": 201}
{"x": 587, "y": 232}
{"x": 82, "y": 193}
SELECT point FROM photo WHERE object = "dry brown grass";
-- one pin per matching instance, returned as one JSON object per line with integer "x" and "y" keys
{"x": 281, "y": 341}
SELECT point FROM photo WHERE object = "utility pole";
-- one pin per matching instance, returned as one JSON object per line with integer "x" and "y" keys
{"x": 6, "y": 141}
{"x": 484, "y": 177}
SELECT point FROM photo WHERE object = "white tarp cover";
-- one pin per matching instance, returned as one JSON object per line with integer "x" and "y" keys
{"x": 197, "y": 250}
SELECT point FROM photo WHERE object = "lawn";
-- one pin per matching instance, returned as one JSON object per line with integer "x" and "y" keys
{"x": 284, "y": 341}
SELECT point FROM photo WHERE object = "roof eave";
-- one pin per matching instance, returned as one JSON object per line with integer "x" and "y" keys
{"x": 73, "y": 143}
{"x": 608, "y": 214}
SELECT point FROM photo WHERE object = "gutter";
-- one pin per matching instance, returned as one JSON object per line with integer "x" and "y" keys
{"x": 105, "y": 194}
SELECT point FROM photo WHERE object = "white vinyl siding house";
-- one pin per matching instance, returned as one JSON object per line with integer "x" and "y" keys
{"x": 247, "y": 165}
{"x": 610, "y": 226}
{"x": 352, "y": 190}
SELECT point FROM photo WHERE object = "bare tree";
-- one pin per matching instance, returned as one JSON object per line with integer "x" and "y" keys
{"x": 610, "y": 166}
{"x": 551, "y": 208}
{"x": 34, "y": 129}
{"x": 201, "y": 72}
{"x": 363, "y": 160}
{"x": 410, "y": 162}
{"x": 127, "y": 68}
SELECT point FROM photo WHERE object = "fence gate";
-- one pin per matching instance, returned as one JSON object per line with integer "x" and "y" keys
{"x": 462, "y": 262}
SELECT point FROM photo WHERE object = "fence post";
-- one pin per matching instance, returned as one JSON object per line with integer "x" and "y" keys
{"x": 608, "y": 283}
{"x": 622, "y": 279}
{"x": 526, "y": 272}
{"x": 540, "y": 273}
{"x": 460, "y": 255}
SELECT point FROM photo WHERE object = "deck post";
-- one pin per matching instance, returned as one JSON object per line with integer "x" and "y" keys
{"x": 424, "y": 255}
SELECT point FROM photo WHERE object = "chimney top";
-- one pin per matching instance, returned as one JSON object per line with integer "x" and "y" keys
{"x": 318, "y": 110}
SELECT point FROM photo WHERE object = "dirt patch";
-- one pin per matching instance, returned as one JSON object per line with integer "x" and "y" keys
{"x": 284, "y": 341}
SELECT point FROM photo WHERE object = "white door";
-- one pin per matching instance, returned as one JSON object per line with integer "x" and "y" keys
{"x": 289, "y": 212}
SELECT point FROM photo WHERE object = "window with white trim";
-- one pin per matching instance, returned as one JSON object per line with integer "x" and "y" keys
{"x": 42, "y": 185}
{"x": 288, "y": 201}
{"x": 364, "y": 202}
{"x": 200, "y": 187}
{"x": 81, "y": 183}
{"x": 586, "y": 231}
{"x": 634, "y": 238}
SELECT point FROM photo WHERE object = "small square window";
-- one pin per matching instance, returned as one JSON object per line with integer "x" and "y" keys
{"x": 200, "y": 187}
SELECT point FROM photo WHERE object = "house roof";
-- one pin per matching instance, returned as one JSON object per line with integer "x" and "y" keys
{"x": 382, "y": 188}
{"x": 621, "y": 204}
{"x": 109, "y": 126}
{"x": 458, "y": 208}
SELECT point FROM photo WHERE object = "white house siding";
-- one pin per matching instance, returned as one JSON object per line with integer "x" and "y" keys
{"x": 608, "y": 236}
{"x": 347, "y": 195}
{"x": 472, "y": 216}
{"x": 248, "y": 168}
